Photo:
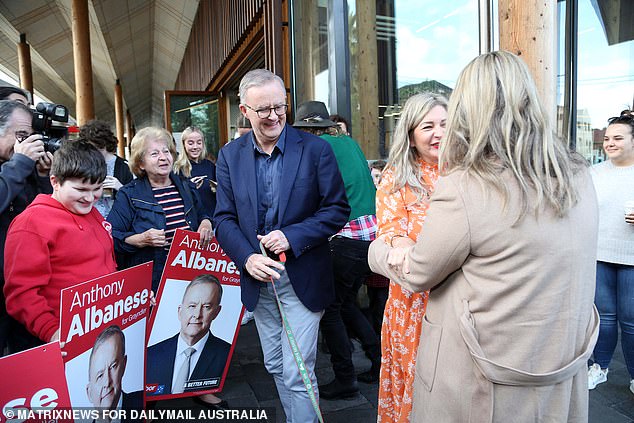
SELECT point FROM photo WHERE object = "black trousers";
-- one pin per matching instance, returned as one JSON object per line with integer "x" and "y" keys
{"x": 350, "y": 264}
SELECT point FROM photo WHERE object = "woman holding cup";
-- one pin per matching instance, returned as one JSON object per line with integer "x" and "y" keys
{"x": 614, "y": 298}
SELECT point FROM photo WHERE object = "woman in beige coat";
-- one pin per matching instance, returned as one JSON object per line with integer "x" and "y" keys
{"x": 508, "y": 251}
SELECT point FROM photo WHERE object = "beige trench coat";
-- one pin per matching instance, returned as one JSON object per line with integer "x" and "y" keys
{"x": 510, "y": 321}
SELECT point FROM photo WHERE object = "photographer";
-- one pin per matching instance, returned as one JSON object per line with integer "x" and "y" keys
{"x": 23, "y": 174}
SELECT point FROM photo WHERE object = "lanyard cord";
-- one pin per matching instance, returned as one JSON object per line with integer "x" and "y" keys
{"x": 293, "y": 343}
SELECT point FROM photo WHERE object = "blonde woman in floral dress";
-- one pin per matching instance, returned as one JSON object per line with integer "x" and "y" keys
{"x": 401, "y": 203}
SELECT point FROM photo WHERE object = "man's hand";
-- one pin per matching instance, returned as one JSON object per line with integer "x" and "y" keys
{"x": 44, "y": 164}
{"x": 275, "y": 241}
{"x": 32, "y": 147}
{"x": 262, "y": 268}
{"x": 112, "y": 182}
{"x": 629, "y": 218}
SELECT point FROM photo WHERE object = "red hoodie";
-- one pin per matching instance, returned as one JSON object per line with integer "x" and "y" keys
{"x": 48, "y": 248}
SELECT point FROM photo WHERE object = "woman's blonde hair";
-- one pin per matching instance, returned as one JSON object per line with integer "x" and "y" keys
{"x": 495, "y": 122}
{"x": 139, "y": 145}
{"x": 182, "y": 165}
{"x": 403, "y": 159}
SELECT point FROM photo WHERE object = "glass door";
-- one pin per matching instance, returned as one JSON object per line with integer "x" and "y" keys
{"x": 193, "y": 108}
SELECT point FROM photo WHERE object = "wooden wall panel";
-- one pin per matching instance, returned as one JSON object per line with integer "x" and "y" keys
{"x": 219, "y": 29}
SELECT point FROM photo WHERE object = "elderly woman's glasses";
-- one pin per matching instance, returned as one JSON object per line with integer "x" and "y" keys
{"x": 626, "y": 117}
{"x": 265, "y": 112}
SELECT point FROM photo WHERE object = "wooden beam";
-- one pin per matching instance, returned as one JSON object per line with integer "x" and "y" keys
{"x": 368, "y": 78}
{"x": 24, "y": 62}
{"x": 82, "y": 61}
{"x": 528, "y": 28}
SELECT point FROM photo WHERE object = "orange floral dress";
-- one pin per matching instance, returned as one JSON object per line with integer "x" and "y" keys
{"x": 400, "y": 214}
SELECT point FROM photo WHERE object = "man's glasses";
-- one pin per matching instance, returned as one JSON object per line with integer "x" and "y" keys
{"x": 22, "y": 135}
{"x": 265, "y": 112}
{"x": 627, "y": 116}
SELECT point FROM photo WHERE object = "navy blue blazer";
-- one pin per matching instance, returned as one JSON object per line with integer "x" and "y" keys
{"x": 313, "y": 206}
{"x": 161, "y": 356}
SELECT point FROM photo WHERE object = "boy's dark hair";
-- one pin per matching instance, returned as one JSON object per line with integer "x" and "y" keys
{"x": 99, "y": 134}
{"x": 79, "y": 159}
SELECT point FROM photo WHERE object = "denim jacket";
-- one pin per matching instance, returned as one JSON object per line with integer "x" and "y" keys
{"x": 135, "y": 210}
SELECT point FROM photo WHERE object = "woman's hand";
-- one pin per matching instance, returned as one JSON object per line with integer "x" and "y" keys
{"x": 150, "y": 238}
{"x": 206, "y": 233}
{"x": 198, "y": 180}
{"x": 398, "y": 259}
{"x": 112, "y": 182}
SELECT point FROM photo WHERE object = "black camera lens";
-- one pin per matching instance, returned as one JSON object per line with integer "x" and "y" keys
{"x": 52, "y": 144}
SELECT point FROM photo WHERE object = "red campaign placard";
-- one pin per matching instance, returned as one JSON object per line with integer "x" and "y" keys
{"x": 34, "y": 379}
{"x": 190, "y": 317}
{"x": 104, "y": 326}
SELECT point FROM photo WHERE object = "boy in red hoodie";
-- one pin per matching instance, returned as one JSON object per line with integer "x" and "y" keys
{"x": 60, "y": 240}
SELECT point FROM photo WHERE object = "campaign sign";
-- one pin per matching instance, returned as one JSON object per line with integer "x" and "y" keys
{"x": 34, "y": 386}
{"x": 196, "y": 323}
{"x": 103, "y": 325}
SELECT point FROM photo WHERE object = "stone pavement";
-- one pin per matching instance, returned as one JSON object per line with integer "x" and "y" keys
{"x": 249, "y": 385}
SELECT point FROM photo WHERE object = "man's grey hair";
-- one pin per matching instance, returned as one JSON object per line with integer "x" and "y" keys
{"x": 7, "y": 107}
{"x": 109, "y": 332}
{"x": 204, "y": 279}
{"x": 257, "y": 78}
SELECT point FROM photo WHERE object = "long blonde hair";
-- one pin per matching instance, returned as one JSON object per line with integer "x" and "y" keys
{"x": 403, "y": 159}
{"x": 182, "y": 165}
{"x": 495, "y": 122}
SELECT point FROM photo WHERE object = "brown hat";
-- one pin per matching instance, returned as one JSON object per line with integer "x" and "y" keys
{"x": 312, "y": 114}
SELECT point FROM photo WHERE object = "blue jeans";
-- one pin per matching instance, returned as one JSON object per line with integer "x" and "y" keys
{"x": 614, "y": 299}
{"x": 278, "y": 357}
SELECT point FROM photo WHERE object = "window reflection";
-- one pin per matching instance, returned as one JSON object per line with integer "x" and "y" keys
{"x": 421, "y": 46}
{"x": 605, "y": 70}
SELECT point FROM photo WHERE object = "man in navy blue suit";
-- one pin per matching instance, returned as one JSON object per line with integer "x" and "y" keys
{"x": 282, "y": 188}
{"x": 193, "y": 359}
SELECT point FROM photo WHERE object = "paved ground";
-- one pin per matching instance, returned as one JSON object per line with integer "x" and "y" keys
{"x": 249, "y": 385}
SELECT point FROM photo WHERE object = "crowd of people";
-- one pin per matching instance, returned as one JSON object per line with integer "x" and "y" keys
{"x": 480, "y": 243}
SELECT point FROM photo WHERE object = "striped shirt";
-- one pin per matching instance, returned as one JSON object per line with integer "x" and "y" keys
{"x": 170, "y": 200}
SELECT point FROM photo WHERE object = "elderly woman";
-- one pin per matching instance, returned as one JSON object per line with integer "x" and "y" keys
{"x": 402, "y": 199}
{"x": 194, "y": 166}
{"x": 508, "y": 252}
{"x": 141, "y": 227}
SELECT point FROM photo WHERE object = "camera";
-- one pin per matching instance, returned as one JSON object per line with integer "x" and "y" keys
{"x": 43, "y": 117}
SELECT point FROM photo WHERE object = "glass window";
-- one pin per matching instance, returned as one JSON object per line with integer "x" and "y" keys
{"x": 310, "y": 39}
{"x": 422, "y": 45}
{"x": 194, "y": 109}
{"x": 605, "y": 69}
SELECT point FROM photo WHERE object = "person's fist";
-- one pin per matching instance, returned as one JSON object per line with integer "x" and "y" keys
{"x": 32, "y": 147}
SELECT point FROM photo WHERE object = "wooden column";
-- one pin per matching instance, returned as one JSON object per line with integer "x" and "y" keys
{"x": 223, "y": 119}
{"x": 528, "y": 28}
{"x": 118, "y": 114}
{"x": 128, "y": 130}
{"x": 368, "y": 78}
{"x": 83, "y": 64}
{"x": 24, "y": 63}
